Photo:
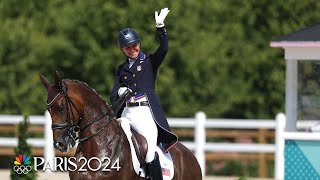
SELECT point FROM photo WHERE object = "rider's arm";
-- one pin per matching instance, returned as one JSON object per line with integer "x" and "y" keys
{"x": 161, "y": 52}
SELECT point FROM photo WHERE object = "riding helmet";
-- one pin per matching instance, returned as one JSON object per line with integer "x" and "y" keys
{"x": 127, "y": 36}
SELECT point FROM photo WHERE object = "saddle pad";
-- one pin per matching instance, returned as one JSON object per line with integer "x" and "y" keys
{"x": 165, "y": 158}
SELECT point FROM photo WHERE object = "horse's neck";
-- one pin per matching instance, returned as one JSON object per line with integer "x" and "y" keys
{"x": 117, "y": 140}
{"x": 110, "y": 142}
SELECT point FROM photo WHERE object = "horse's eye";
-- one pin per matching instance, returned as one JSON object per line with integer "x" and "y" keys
{"x": 59, "y": 108}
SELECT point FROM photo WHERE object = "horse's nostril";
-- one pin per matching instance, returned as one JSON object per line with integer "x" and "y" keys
{"x": 58, "y": 144}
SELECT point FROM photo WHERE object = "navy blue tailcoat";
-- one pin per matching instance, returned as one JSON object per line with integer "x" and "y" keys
{"x": 140, "y": 78}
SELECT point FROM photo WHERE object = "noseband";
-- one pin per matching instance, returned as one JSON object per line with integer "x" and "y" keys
{"x": 73, "y": 129}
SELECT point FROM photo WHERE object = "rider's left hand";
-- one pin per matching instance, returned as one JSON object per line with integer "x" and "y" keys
{"x": 122, "y": 90}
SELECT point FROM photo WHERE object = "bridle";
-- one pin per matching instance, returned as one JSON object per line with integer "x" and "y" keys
{"x": 72, "y": 127}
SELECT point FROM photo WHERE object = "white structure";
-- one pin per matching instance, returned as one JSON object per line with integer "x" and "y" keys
{"x": 298, "y": 46}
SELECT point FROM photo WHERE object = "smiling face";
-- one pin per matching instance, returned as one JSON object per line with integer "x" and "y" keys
{"x": 132, "y": 50}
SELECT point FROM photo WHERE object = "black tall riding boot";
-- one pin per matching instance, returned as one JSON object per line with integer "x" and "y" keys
{"x": 154, "y": 169}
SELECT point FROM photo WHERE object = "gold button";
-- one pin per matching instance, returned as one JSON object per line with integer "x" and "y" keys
{"x": 135, "y": 84}
{"x": 133, "y": 75}
{"x": 135, "y": 93}
{"x": 125, "y": 77}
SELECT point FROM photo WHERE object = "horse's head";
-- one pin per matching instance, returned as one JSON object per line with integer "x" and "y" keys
{"x": 66, "y": 112}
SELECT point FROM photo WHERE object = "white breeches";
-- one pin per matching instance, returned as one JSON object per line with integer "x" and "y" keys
{"x": 141, "y": 120}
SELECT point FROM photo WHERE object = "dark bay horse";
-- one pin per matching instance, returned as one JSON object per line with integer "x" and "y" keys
{"x": 78, "y": 111}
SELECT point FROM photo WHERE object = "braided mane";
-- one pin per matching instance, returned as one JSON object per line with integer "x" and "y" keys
{"x": 86, "y": 85}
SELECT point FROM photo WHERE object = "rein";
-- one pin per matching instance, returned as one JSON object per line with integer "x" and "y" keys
{"x": 73, "y": 129}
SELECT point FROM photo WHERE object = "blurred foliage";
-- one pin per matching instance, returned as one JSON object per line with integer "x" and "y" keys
{"x": 234, "y": 168}
{"x": 219, "y": 60}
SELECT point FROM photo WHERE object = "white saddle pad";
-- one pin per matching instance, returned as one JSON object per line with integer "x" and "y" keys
{"x": 165, "y": 158}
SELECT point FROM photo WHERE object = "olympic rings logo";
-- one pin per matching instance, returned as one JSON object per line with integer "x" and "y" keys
{"x": 21, "y": 169}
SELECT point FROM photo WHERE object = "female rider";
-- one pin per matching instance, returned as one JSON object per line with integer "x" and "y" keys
{"x": 143, "y": 109}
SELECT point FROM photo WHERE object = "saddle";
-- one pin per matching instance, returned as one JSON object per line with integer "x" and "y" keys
{"x": 140, "y": 145}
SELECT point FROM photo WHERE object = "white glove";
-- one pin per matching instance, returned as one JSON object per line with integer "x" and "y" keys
{"x": 160, "y": 18}
{"x": 122, "y": 90}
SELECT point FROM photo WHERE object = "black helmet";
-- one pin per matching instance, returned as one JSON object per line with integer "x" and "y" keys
{"x": 127, "y": 36}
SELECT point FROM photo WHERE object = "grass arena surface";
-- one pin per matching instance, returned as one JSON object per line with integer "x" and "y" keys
{"x": 5, "y": 175}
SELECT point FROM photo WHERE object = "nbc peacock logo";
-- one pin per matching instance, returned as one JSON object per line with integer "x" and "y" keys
{"x": 22, "y": 164}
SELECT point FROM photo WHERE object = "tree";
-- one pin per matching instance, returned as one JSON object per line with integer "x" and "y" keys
{"x": 23, "y": 149}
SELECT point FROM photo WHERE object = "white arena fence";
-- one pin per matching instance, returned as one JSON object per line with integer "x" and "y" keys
{"x": 200, "y": 146}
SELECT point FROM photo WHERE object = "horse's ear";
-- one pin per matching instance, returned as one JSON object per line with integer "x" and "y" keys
{"x": 57, "y": 81}
{"x": 44, "y": 81}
